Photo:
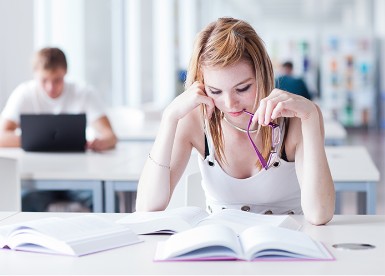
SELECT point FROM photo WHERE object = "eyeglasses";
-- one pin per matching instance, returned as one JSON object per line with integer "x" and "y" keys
{"x": 275, "y": 140}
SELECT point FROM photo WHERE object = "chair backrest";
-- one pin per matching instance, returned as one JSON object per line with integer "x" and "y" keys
{"x": 195, "y": 196}
{"x": 10, "y": 191}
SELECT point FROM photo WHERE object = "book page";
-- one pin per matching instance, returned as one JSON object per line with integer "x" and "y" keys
{"x": 73, "y": 236}
{"x": 168, "y": 221}
{"x": 240, "y": 220}
{"x": 69, "y": 229}
{"x": 214, "y": 241}
{"x": 30, "y": 240}
{"x": 275, "y": 242}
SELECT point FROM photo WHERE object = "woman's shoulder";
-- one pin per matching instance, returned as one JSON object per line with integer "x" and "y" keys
{"x": 191, "y": 127}
{"x": 193, "y": 120}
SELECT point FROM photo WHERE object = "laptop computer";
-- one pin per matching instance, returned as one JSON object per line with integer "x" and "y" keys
{"x": 53, "y": 133}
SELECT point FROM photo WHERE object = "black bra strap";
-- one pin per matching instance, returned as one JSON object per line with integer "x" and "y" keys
{"x": 285, "y": 128}
{"x": 283, "y": 154}
{"x": 207, "y": 152}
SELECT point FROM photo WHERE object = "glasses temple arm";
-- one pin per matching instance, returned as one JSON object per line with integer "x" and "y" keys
{"x": 261, "y": 159}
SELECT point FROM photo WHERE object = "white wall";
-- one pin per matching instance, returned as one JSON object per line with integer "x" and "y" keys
{"x": 82, "y": 29}
{"x": 16, "y": 47}
{"x": 90, "y": 34}
{"x": 379, "y": 29}
{"x": 98, "y": 46}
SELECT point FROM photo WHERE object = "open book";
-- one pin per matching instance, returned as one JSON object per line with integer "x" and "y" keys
{"x": 75, "y": 236}
{"x": 183, "y": 218}
{"x": 219, "y": 242}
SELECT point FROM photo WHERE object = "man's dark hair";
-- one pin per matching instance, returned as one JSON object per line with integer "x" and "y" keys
{"x": 288, "y": 64}
{"x": 50, "y": 59}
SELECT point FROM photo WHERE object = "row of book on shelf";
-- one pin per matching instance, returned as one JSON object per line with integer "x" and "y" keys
{"x": 194, "y": 235}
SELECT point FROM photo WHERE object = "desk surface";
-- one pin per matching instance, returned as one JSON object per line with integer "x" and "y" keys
{"x": 79, "y": 166}
{"x": 334, "y": 132}
{"x": 5, "y": 215}
{"x": 347, "y": 164}
{"x": 125, "y": 162}
{"x": 138, "y": 258}
{"x": 351, "y": 164}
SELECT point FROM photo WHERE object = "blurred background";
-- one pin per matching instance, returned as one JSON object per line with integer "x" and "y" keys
{"x": 135, "y": 52}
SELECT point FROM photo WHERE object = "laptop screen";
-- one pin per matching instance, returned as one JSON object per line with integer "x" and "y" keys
{"x": 54, "y": 133}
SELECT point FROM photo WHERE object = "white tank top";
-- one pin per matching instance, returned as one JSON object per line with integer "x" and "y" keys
{"x": 272, "y": 191}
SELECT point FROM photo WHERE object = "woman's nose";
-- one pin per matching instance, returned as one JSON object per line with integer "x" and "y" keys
{"x": 230, "y": 101}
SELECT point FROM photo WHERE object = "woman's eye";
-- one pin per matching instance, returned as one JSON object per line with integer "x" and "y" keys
{"x": 215, "y": 92}
{"x": 243, "y": 89}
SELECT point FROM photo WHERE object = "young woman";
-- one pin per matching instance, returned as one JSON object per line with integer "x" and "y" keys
{"x": 279, "y": 169}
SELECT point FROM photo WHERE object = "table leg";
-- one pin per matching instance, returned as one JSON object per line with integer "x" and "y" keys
{"x": 110, "y": 187}
{"x": 57, "y": 185}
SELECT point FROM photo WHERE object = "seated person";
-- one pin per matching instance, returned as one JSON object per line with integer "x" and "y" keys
{"x": 50, "y": 93}
{"x": 288, "y": 82}
{"x": 229, "y": 93}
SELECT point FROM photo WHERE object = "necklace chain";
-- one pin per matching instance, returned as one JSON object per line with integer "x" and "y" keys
{"x": 238, "y": 128}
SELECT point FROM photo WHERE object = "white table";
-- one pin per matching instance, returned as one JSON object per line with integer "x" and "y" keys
{"x": 133, "y": 125}
{"x": 138, "y": 258}
{"x": 119, "y": 170}
{"x": 75, "y": 171}
{"x": 125, "y": 179}
{"x": 5, "y": 215}
{"x": 353, "y": 169}
{"x": 335, "y": 132}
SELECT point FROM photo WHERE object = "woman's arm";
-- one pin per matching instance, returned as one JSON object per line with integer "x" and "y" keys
{"x": 171, "y": 150}
{"x": 317, "y": 187}
{"x": 305, "y": 141}
{"x": 155, "y": 186}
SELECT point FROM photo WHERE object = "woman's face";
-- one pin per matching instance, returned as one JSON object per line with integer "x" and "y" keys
{"x": 232, "y": 88}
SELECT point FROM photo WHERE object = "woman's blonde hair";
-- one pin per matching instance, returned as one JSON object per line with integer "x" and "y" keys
{"x": 223, "y": 43}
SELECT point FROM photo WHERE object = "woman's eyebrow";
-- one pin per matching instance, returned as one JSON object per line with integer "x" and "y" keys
{"x": 212, "y": 87}
{"x": 242, "y": 82}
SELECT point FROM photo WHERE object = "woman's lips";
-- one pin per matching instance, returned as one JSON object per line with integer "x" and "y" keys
{"x": 236, "y": 114}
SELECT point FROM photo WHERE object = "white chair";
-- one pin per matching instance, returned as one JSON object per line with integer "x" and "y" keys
{"x": 195, "y": 196}
{"x": 10, "y": 194}
{"x": 179, "y": 196}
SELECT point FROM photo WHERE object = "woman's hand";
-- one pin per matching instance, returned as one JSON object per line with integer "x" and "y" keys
{"x": 283, "y": 104}
{"x": 188, "y": 100}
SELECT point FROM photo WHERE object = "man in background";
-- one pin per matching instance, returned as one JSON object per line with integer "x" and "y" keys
{"x": 288, "y": 82}
{"x": 50, "y": 93}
